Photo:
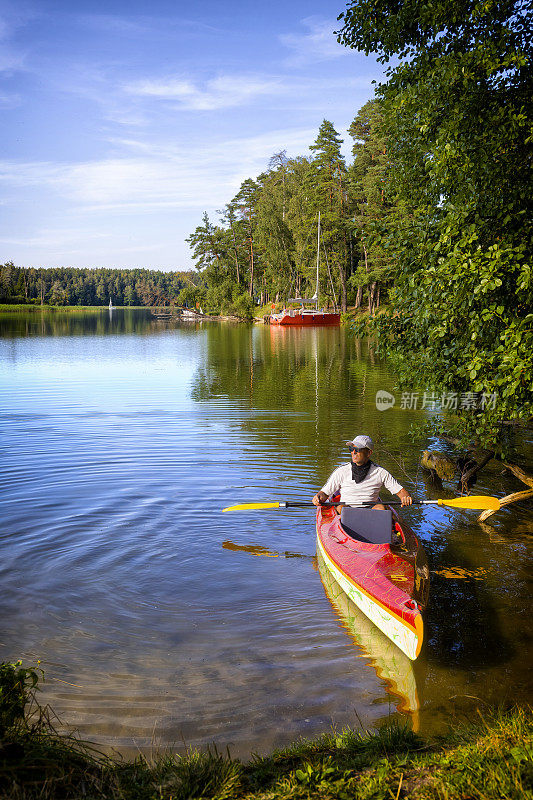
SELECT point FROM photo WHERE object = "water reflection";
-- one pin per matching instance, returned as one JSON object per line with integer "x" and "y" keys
{"x": 75, "y": 323}
{"x": 258, "y": 550}
{"x": 161, "y": 618}
{"x": 392, "y": 666}
{"x": 323, "y": 382}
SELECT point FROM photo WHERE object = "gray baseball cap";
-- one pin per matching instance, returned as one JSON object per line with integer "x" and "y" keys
{"x": 362, "y": 441}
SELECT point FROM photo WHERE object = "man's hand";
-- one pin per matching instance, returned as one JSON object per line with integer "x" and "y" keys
{"x": 319, "y": 498}
{"x": 405, "y": 497}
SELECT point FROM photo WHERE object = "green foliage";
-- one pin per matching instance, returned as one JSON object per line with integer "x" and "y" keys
{"x": 243, "y": 306}
{"x": 91, "y": 287}
{"x": 17, "y": 686}
{"x": 457, "y": 119}
{"x": 267, "y": 237}
{"x": 190, "y": 296}
{"x": 375, "y": 214}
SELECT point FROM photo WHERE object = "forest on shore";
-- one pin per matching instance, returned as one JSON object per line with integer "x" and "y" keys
{"x": 264, "y": 246}
{"x": 64, "y": 286}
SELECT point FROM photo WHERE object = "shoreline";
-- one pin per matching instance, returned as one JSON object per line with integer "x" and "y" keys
{"x": 164, "y": 313}
{"x": 489, "y": 758}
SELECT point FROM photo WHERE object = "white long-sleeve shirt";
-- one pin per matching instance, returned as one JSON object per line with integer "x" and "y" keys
{"x": 355, "y": 494}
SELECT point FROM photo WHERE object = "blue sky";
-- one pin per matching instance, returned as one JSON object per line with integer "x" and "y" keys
{"x": 124, "y": 121}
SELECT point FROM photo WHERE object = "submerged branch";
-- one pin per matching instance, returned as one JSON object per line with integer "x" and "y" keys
{"x": 505, "y": 501}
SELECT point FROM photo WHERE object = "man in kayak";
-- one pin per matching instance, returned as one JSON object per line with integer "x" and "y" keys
{"x": 360, "y": 481}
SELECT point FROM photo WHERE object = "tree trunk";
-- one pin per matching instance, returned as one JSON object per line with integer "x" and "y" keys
{"x": 359, "y": 297}
{"x": 236, "y": 256}
{"x": 466, "y": 476}
{"x": 344, "y": 297}
{"x": 251, "y": 267}
{"x": 371, "y": 293}
{"x": 330, "y": 280}
{"x": 342, "y": 276}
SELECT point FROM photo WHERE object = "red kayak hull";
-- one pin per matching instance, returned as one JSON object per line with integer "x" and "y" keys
{"x": 388, "y": 583}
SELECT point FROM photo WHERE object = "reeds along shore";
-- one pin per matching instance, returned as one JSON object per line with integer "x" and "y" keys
{"x": 491, "y": 758}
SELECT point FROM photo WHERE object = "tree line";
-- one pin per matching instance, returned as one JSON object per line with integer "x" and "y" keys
{"x": 93, "y": 287}
{"x": 263, "y": 247}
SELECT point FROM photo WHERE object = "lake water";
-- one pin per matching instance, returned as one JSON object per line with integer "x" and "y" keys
{"x": 160, "y": 620}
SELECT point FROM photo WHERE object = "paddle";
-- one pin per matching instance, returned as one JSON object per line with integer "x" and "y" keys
{"x": 474, "y": 502}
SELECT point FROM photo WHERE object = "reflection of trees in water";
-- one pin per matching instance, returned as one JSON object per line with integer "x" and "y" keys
{"x": 318, "y": 379}
{"x": 308, "y": 377}
{"x": 75, "y": 323}
{"x": 247, "y": 365}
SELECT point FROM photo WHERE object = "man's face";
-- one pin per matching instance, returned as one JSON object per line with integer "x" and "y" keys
{"x": 360, "y": 456}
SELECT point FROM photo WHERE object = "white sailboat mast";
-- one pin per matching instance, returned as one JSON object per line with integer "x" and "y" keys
{"x": 317, "y": 259}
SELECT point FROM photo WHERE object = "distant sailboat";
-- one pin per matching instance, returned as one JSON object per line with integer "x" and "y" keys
{"x": 110, "y": 304}
{"x": 304, "y": 316}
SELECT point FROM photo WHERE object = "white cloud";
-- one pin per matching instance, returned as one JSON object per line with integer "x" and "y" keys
{"x": 318, "y": 44}
{"x": 156, "y": 176}
{"x": 225, "y": 91}
{"x": 143, "y": 25}
{"x": 82, "y": 246}
{"x": 54, "y": 238}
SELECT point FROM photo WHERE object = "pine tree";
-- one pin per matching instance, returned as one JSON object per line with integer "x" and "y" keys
{"x": 326, "y": 185}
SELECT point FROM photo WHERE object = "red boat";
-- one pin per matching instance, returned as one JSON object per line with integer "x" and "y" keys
{"x": 380, "y": 564}
{"x": 304, "y": 317}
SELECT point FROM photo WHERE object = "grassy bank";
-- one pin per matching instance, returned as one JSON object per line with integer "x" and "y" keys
{"x": 492, "y": 758}
{"x": 6, "y": 308}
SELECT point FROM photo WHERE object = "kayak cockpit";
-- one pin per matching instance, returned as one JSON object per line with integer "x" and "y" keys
{"x": 368, "y": 525}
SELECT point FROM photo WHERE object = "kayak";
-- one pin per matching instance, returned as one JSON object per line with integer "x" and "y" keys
{"x": 381, "y": 566}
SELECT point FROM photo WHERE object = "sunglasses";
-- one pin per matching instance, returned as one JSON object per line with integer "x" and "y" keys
{"x": 353, "y": 449}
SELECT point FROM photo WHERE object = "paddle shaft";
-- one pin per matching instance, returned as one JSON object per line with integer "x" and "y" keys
{"x": 307, "y": 504}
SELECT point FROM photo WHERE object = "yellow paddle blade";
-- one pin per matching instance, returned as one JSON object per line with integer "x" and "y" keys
{"x": 479, "y": 502}
{"x": 251, "y": 506}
